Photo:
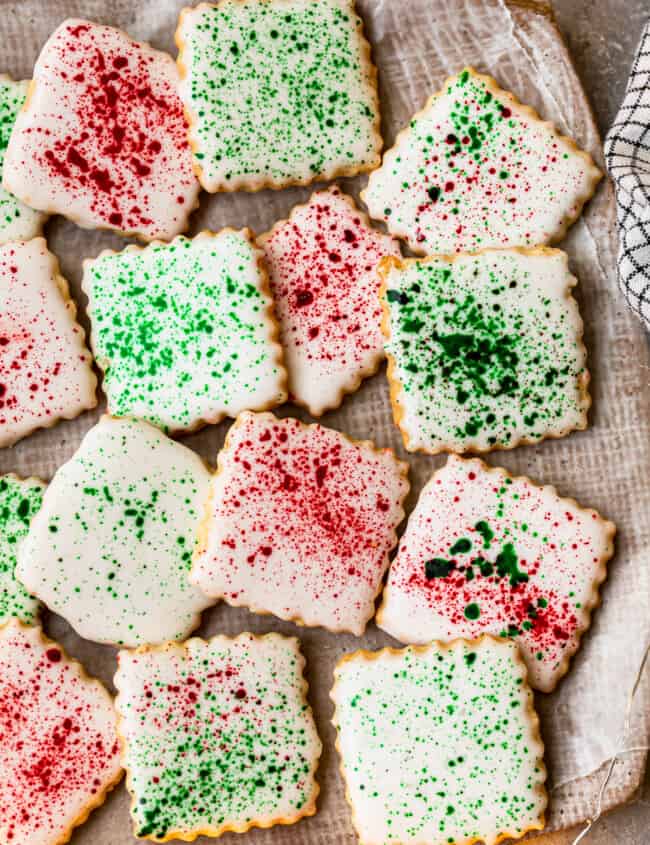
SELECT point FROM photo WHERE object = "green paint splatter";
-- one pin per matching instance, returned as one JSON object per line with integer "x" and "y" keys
{"x": 19, "y": 501}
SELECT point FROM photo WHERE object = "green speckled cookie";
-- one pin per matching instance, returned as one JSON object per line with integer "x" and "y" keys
{"x": 184, "y": 331}
{"x": 484, "y": 351}
{"x": 20, "y": 499}
{"x": 217, "y": 736}
{"x": 278, "y": 92}
{"x": 17, "y": 221}
{"x": 440, "y": 744}
{"x": 110, "y": 548}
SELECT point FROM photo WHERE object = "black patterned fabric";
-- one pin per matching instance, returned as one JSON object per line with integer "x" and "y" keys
{"x": 627, "y": 151}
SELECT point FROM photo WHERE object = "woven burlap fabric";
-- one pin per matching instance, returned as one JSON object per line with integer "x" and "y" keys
{"x": 416, "y": 43}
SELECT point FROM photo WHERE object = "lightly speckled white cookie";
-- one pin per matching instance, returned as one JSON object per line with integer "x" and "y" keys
{"x": 218, "y": 736}
{"x": 300, "y": 522}
{"x": 484, "y": 351}
{"x": 18, "y": 222}
{"x": 102, "y": 138}
{"x": 440, "y": 744}
{"x": 45, "y": 369}
{"x": 110, "y": 549}
{"x": 476, "y": 169}
{"x": 277, "y": 93}
{"x": 185, "y": 331}
{"x": 20, "y": 499}
{"x": 322, "y": 265}
{"x": 59, "y": 748}
{"x": 484, "y": 552}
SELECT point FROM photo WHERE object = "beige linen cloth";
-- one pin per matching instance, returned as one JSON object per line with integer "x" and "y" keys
{"x": 416, "y": 43}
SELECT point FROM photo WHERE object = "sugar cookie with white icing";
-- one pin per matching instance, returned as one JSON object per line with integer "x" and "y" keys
{"x": 110, "y": 549}
{"x": 300, "y": 522}
{"x": 476, "y": 169}
{"x": 20, "y": 499}
{"x": 45, "y": 369}
{"x": 102, "y": 138}
{"x": 277, "y": 93}
{"x": 185, "y": 331}
{"x": 484, "y": 552}
{"x": 484, "y": 351}
{"x": 59, "y": 748}
{"x": 217, "y": 735}
{"x": 440, "y": 744}
{"x": 322, "y": 265}
{"x": 17, "y": 221}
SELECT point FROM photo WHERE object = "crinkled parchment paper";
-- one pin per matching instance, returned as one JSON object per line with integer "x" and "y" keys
{"x": 416, "y": 43}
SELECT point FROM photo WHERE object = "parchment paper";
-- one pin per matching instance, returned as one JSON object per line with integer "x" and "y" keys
{"x": 416, "y": 44}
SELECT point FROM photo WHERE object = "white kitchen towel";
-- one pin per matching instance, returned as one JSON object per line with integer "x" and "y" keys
{"x": 627, "y": 152}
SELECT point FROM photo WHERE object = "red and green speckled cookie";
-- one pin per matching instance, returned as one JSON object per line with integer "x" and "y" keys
{"x": 278, "y": 93}
{"x": 45, "y": 369}
{"x": 217, "y": 736}
{"x": 102, "y": 138}
{"x": 323, "y": 268}
{"x": 59, "y": 748}
{"x": 486, "y": 552}
{"x": 476, "y": 169}
{"x": 440, "y": 744}
{"x": 300, "y": 522}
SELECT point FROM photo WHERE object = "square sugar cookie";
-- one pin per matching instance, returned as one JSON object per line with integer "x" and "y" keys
{"x": 484, "y": 351}
{"x": 102, "y": 138}
{"x": 59, "y": 747}
{"x": 476, "y": 169}
{"x": 185, "y": 332}
{"x": 322, "y": 265}
{"x": 111, "y": 547}
{"x": 17, "y": 221}
{"x": 45, "y": 369}
{"x": 439, "y": 744}
{"x": 277, "y": 93}
{"x": 218, "y": 736}
{"x": 300, "y": 522}
{"x": 20, "y": 499}
{"x": 484, "y": 552}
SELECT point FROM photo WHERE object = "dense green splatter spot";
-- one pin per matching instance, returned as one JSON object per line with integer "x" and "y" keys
{"x": 472, "y": 611}
{"x": 438, "y": 568}
{"x": 19, "y": 502}
{"x": 461, "y": 546}
{"x": 486, "y": 533}
{"x": 507, "y": 565}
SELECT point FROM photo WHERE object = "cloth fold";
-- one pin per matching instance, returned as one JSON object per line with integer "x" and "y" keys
{"x": 627, "y": 153}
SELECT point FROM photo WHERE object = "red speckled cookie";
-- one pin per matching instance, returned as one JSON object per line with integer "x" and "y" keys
{"x": 45, "y": 368}
{"x": 300, "y": 522}
{"x": 59, "y": 748}
{"x": 322, "y": 264}
{"x": 102, "y": 138}
{"x": 484, "y": 552}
